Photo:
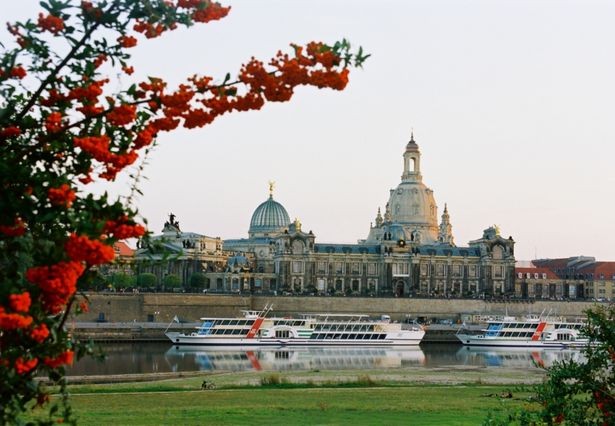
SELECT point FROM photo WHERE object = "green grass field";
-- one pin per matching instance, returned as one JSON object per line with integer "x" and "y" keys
{"x": 360, "y": 401}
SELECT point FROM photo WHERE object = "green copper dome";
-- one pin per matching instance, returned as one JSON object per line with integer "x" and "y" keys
{"x": 270, "y": 216}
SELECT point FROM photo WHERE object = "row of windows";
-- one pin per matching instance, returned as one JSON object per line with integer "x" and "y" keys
{"x": 344, "y": 327}
{"x": 290, "y": 323}
{"x": 589, "y": 276}
{"x": 229, "y": 331}
{"x": 529, "y": 275}
{"x": 520, "y": 325}
{"x": 347, "y": 336}
{"x": 400, "y": 269}
{"x": 232, "y": 322}
{"x": 441, "y": 269}
{"x": 525, "y": 325}
{"x": 338, "y": 283}
{"x": 516, "y": 334}
{"x": 339, "y": 267}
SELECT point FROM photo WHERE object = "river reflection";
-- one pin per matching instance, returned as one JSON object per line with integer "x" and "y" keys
{"x": 517, "y": 357}
{"x": 130, "y": 358}
{"x": 271, "y": 359}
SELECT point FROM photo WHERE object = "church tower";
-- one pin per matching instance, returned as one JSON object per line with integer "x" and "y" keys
{"x": 412, "y": 162}
{"x": 445, "y": 234}
{"x": 411, "y": 214}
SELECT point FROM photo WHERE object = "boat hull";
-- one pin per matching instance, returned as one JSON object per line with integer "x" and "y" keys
{"x": 409, "y": 339}
{"x": 478, "y": 340}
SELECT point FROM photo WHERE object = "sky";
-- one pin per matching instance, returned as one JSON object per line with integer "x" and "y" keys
{"x": 511, "y": 103}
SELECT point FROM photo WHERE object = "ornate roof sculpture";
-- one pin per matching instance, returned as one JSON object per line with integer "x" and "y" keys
{"x": 171, "y": 225}
{"x": 269, "y": 217}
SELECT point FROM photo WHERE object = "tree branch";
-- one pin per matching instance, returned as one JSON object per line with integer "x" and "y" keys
{"x": 61, "y": 65}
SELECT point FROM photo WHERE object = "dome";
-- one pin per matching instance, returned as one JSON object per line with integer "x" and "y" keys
{"x": 270, "y": 216}
{"x": 412, "y": 205}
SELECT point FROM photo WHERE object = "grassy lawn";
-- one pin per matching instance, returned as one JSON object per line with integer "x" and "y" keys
{"x": 358, "y": 402}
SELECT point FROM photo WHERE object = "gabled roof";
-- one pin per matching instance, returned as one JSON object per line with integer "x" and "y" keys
{"x": 122, "y": 249}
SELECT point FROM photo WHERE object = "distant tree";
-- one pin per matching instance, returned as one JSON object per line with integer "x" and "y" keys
{"x": 122, "y": 280}
{"x": 198, "y": 280}
{"x": 171, "y": 281}
{"x": 147, "y": 280}
{"x": 578, "y": 392}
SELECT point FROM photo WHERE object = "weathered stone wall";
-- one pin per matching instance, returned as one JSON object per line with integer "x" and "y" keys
{"x": 162, "y": 307}
{"x": 190, "y": 307}
{"x": 399, "y": 308}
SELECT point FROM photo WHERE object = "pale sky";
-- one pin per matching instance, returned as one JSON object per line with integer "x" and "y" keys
{"x": 511, "y": 102}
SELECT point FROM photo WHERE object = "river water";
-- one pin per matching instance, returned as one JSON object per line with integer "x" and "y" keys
{"x": 132, "y": 358}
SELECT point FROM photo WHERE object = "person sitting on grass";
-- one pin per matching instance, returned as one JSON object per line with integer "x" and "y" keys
{"x": 207, "y": 385}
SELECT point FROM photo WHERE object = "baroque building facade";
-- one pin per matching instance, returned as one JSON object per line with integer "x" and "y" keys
{"x": 179, "y": 253}
{"x": 406, "y": 252}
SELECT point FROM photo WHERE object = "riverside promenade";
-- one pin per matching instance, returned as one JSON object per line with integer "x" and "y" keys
{"x": 163, "y": 307}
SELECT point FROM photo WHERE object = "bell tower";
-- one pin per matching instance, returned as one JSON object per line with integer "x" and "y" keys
{"x": 445, "y": 234}
{"x": 412, "y": 162}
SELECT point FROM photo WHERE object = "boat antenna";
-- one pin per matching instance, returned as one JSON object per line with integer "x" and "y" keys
{"x": 266, "y": 310}
{"x": 175, "y": 319}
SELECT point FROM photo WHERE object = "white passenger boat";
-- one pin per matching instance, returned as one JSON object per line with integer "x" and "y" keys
{"x": 255, "y": 329}
{"x": 530, "y": 331}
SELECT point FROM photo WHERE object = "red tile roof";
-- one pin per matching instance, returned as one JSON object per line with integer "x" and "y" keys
{"x": 122, "y": 249}
{"x": 599, "y": 269}
{"x": 550, "y": 274}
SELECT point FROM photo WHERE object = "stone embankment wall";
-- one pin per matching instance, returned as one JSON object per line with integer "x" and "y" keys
{"x": 161, "y": 307}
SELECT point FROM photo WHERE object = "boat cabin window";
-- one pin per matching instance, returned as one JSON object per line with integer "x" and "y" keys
{"x": 282, "y": 334}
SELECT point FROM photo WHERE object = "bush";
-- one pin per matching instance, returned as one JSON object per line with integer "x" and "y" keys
{"x": 198, "y": 280}
{"x": 121, "y": 280}
{"x": 172, "y": 281}
{"x": 147, "y": 280}
{"x": 579, "y": 392}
